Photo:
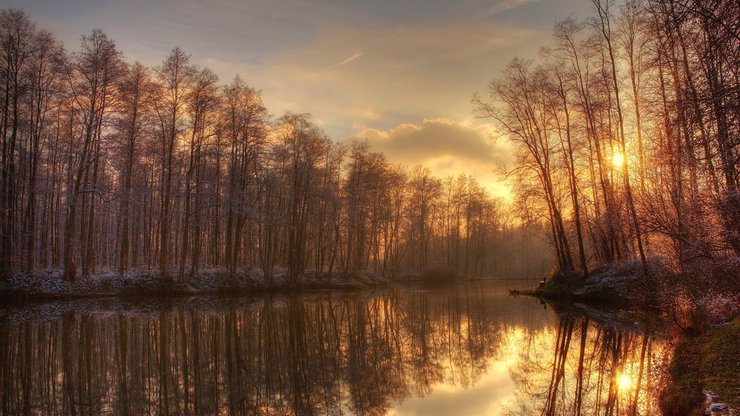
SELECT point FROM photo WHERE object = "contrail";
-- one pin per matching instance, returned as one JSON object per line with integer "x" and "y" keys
{"x": 346, "y": 61}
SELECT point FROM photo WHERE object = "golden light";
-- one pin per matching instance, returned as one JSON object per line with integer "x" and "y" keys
{"x": 624, "y": 382}
{"x": 618, "y": 159}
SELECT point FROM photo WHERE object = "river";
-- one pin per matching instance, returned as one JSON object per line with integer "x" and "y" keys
{"x": 465, "y": 349}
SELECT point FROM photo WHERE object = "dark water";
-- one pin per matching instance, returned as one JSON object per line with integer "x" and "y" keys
{"x": 464, "y": 350}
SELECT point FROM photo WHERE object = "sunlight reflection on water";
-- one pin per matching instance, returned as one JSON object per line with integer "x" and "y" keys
{"x": 468, "y": 349}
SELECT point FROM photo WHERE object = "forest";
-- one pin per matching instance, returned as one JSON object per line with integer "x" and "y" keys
{"x": 114, "y": 167}
{"x": 627, "y": 128}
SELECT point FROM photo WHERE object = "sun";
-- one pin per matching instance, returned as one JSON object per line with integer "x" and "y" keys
{"x": 624, "y": 381}
{"x": 618, "y": 159}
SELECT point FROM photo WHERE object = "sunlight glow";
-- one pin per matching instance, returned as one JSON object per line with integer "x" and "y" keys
{"x": 624, "y": 382}
{"x": 618, "y": 160}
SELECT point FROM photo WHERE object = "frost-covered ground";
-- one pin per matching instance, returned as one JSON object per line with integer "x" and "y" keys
{"x": 138, "y": 306}
{"x": 703, "y": 295}
{"x": 623, "y": 282}
{"x": 217, "y": 280}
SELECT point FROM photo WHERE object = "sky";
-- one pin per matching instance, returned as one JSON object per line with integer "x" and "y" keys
{"x": 399, "y": 74}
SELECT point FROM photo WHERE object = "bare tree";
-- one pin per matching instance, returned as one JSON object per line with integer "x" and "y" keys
{"x": 91, "y": 77}
{"x": 175, "y": 76}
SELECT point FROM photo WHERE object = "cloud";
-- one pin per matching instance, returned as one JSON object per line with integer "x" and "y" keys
{"x": 404, "y": 73}
{"x": 433, "y": 138}
{"x": 447, "y": 148}
{"x": 494, "y": 391}
{"x": 334, "y": 58}
{"x": 397, "y": 71}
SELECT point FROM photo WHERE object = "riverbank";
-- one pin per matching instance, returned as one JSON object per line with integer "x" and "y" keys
{"x": 622, "y": 285}
{"x": 702, "y": 308}
{"x": 704, "y": 370}
{"x": 42, "y": 286}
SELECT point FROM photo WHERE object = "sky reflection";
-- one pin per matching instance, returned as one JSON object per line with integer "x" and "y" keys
{"x": 468, "y": 349}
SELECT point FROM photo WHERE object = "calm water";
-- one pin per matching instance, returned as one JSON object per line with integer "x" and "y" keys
{"x": 462, "y": 350}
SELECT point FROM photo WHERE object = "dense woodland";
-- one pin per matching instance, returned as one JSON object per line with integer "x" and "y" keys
{"x": 627, "y": 129}
{"x": 114, "y": 166}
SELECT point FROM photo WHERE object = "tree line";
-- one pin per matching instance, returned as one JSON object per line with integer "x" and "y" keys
{"x": 627, "y": 129}
{"x": 108, "y": 165}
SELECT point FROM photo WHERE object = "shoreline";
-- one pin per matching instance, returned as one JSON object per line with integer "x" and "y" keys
{"x": 623, "y": 291}
{"x": 704, "y": 364}
{"x": 14, "y": 297}
{"x": 48, "y": 286}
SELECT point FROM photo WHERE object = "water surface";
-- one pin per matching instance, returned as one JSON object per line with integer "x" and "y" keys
{"x": 467, "y": 349}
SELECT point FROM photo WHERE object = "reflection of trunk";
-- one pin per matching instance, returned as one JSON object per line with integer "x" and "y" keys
{"x": 194, "y": 322}
{"x": 69, "y": 406}
{"x": 164, "y": 364}
{"x": 616, "y": 360}
{"x": 6, "y": 368}
{"x": 27, "y": 384}
{"x": 579, "y": 375}
{"x": 298, "y": 361}
{"x": 633, "y": 408}
{"x": 649, "y": 378}
{"x": 122, "y": 367}
{"x": 565, "y": 331}
{"x": 183, "y": 330}
{"x": 232, "y": 380}
{"x": 307, "y": 354}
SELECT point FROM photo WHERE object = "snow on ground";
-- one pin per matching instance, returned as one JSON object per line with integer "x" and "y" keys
{"x": 107, "y": 282}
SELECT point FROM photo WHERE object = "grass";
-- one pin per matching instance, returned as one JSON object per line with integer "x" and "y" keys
{"x": 706, "y": 362}
{"x": 720, "y": 363}
{"x": 683, "y": 394}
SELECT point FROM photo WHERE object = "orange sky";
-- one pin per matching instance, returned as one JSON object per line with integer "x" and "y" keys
{"x": 398, "y": 73}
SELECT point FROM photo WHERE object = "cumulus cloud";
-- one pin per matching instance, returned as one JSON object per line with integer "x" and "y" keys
{"x": 434, "y": 138}
{"x": 447, "y": 148}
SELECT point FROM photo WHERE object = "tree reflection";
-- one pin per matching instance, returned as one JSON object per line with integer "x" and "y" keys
{"x": 323, "y": 353}
{"x": 595, "y": 369}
